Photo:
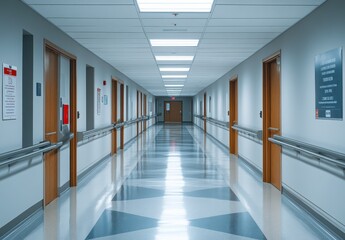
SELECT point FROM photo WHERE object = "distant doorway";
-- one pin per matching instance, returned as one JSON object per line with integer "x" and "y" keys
{"x": 233, "y": 115}
{"x": 271, "y": 120}
{"x": 173, "y": 112}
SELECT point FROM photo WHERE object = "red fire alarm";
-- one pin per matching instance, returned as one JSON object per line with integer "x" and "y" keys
{"x": 104, "y": 83}
{"x": 172, "y": 98}
{"x": 65, "y": 114}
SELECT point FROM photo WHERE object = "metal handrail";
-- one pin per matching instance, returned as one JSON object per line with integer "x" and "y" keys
{"x": 323, "y": 154}
{"x": 199, "y": 116}
{"x": 10, "y": 159}
{"x": 248, "y": 131}
{"x": 94, "y": 132}
{"x": 218, "y": 122}
{"x": 25, "y": 150}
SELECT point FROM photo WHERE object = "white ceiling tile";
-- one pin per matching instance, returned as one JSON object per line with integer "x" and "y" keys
{"x": 73, "y": 2}
{"x": 243, "y": 29}
{"x": 115, "y": 22}
{"x": 101, "y": 29}
{"x": 87, "y": 11}
{"x": 174, "y": 15}
{"x": 251, "y": 22}
{"x": 257, "y": 11}
{"x": 173, "y": 29}
{"x": 270, "y": 2}
{"x": 107, "y": 35}
{"x": 171, "y": 22}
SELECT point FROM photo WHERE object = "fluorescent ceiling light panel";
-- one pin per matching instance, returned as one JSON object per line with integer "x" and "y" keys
{"x": 174, "y": 69}
{"x": 174, "y": 42}
{"x": 172, "y": 85}
{"x": 175, "y": 5}
{"x": 174, "y": 58}
{"x": 174, "y": 76}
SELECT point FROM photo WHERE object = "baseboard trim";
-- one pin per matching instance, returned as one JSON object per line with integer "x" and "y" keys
{"x": 64, "y": 188}
{"x": 321, "y": 224}
{"x": 83, "y": 175}
{"x": 257, "y": 171}
{"x": 15, "y": 226}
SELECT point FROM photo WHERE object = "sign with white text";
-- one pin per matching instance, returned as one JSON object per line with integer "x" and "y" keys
{"x": 9, "y": 92}
{"x": 329, "y": 85}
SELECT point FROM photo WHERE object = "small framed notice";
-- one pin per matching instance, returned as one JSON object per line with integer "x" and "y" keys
{"x": 98, "y": 101}
{"x": 9, "y": 92}
{"x": 329, "y": 85}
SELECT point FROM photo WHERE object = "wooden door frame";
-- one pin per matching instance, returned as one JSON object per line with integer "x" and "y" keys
{"x": 137, "y": 112}
{"x": 145, "y": 111}
{"x": 265, "y": 118}
{"x": 122, "y": 115}
{"x": 233, "y": 115}
{"x": 114, "y": 115}
{"x": 73, "y": 107}
{"x": 205, "y": 112}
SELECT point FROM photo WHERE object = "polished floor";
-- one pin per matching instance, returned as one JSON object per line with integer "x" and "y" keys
{"x": 173, "y": 182}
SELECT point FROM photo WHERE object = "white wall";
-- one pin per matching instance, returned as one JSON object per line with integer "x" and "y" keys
{"x": 21, "y": 190}
{"x": 323, "y": 187}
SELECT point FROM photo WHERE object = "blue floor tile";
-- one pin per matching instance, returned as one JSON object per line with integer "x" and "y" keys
{"x": 224, "y": 193}
{"x": 132, "y": 193}
{"x": 112, "y": 222}
{"x": 241, "y": 224}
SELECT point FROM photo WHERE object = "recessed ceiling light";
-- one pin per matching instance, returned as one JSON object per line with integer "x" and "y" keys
{"x": 174, "y": 58}
{"x": 174, "y": 69}
{"x": 175, "y": 5}
{"x": 174, "y": 42}
{"x": 171, "y": 85}
{"x": 174, "y": 76}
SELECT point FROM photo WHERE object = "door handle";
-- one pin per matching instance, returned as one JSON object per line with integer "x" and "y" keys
{"x": 50, "y": 133}
{"x": 273, "y": 129}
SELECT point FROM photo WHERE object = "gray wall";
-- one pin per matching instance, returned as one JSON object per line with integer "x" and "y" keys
{"x": 187, "y": 105}
{"x": 21, "y": 185}
{"x": 321, "y": 186}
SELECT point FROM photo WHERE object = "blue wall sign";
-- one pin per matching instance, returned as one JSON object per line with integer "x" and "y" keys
{"x": 329, "y": 85}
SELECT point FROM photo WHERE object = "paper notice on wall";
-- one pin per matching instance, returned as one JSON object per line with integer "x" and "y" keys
{"x": 9, "y": 92}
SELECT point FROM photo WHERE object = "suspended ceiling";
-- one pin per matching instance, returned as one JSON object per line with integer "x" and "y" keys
{"x": 119, "y": 33}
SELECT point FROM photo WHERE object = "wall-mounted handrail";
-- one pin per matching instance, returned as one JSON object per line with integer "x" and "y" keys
{"x": 94, "y": 132}
{"x": 19, "y": 155}
{"x": 25, "y": 150}
{"x": 199, "y": 116}
{"x": 248, "y": 131}
{"x": 323, "y": 154}
{"x": 218, "y": 122}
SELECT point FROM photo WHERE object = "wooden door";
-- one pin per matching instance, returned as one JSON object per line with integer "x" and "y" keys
{"x": 51, "y": 125}
{"x": 173, "y": 112}
{"x": 122, "y": 115}
{"x": 114, "y": 116}
{"x": 205, "y": 113}
{"x": 233, "y": 116}
{"x": 272, "y": 121}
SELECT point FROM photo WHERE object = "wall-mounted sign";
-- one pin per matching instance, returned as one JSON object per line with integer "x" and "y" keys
{"x": 9, "y": 92}
{"x": 329, "y": 85}
{"x": 98, "y": 101}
